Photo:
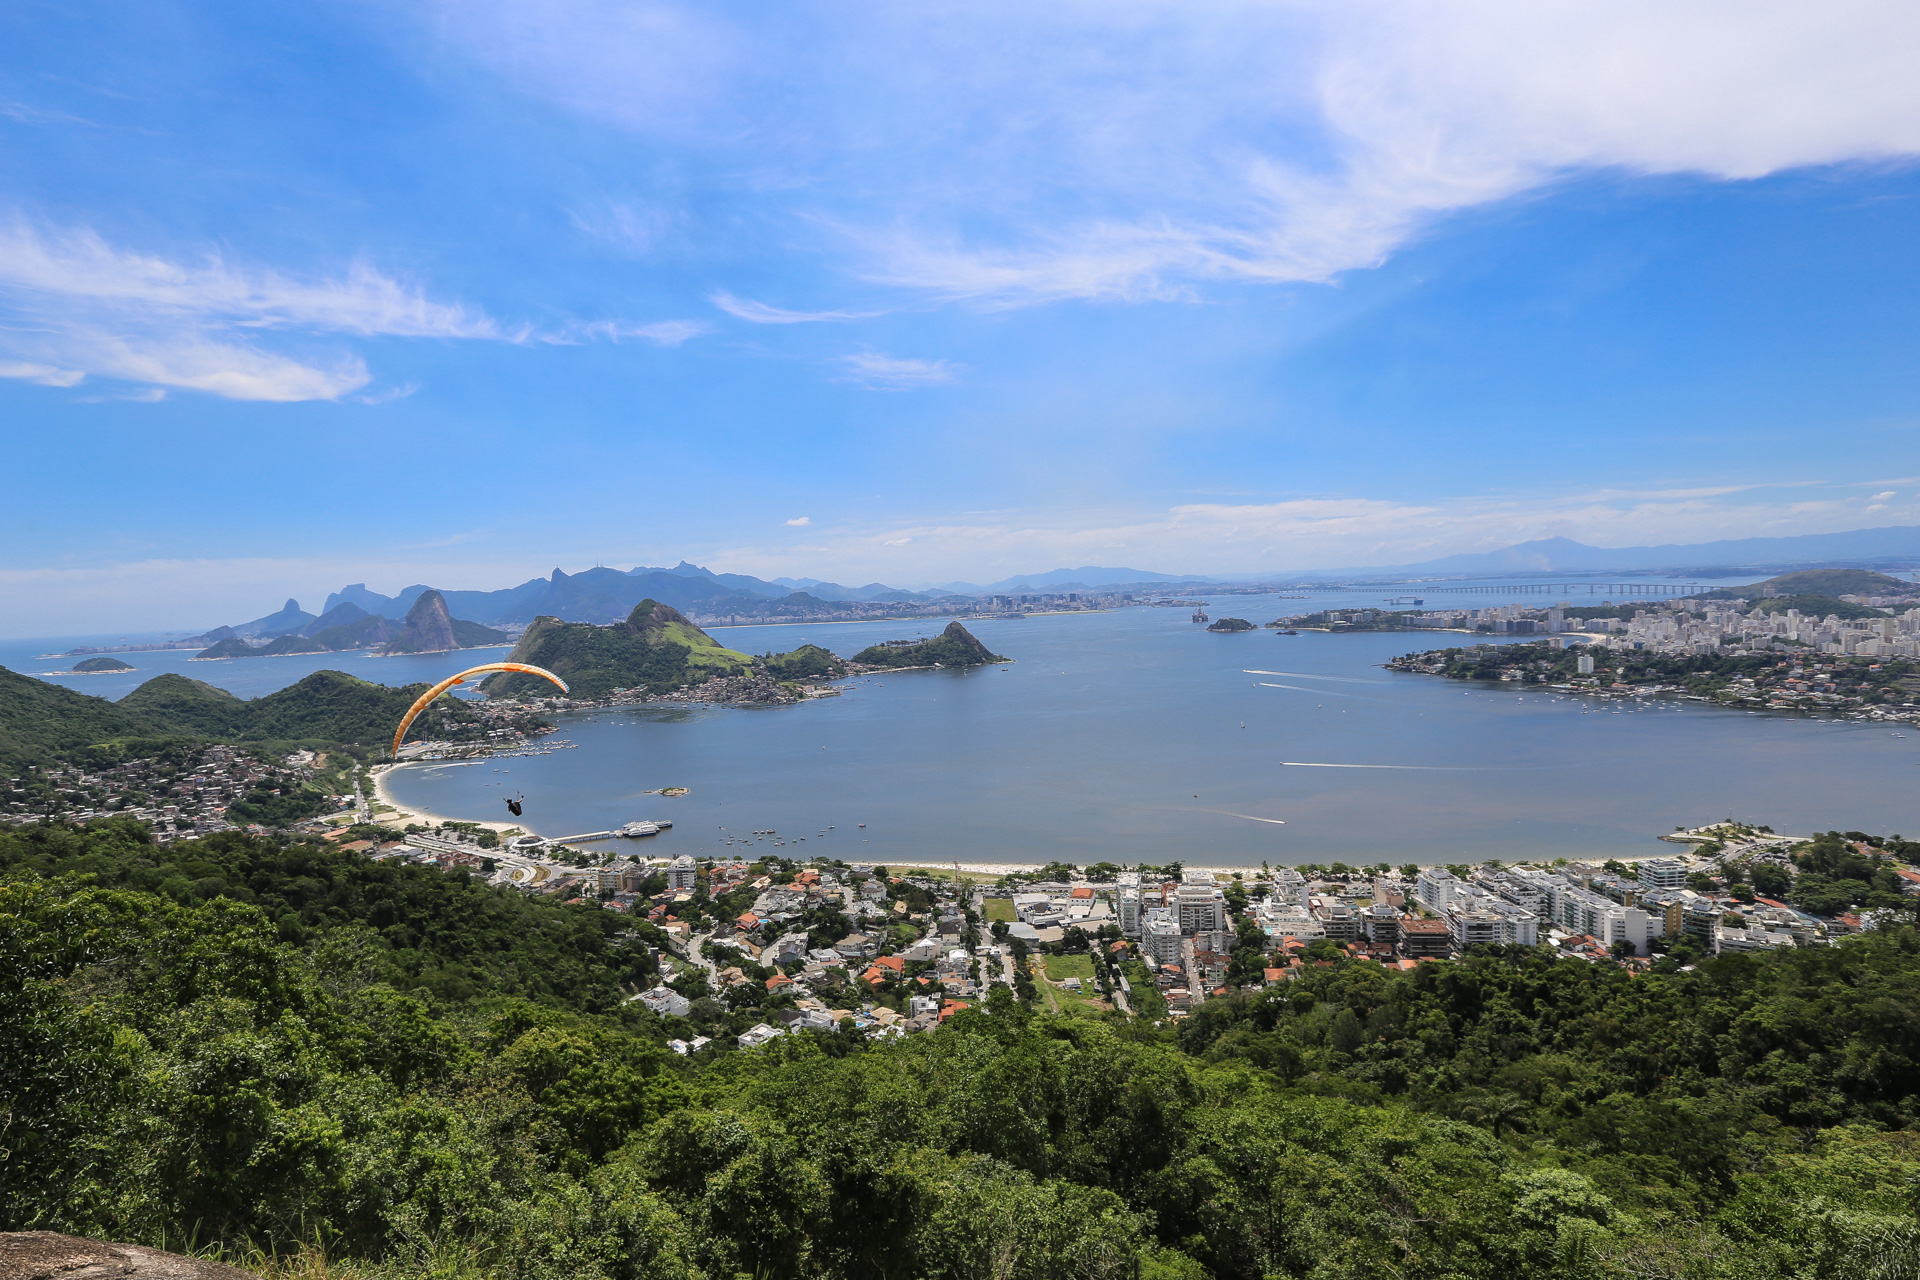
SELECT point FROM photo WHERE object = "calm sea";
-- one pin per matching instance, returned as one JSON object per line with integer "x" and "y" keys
{"x": 1138, "y": 736}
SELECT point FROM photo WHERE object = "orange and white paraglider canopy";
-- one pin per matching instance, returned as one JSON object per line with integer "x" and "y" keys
{"x": 420, "y": 703}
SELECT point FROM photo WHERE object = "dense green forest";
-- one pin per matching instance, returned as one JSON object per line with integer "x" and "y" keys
{"x": 808, "y": 661}
{"x": 42, "y": 722}
{"x": 283, "y": 1048}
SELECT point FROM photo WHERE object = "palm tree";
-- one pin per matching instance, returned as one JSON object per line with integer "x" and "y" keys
{"x": 1498, "y": 1113}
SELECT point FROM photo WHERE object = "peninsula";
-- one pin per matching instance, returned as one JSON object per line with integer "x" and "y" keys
{"x": 656, "y": 653}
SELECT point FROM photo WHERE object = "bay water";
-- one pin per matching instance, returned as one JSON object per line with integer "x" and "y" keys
{"x": 1136, "y": 735}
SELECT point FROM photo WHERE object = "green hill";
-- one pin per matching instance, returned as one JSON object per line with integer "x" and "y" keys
{"x": 332, "y": 706}
{"x": 103, "y": 664}
{"x": 471, "y": 635}
{"x": 190, "y": 707}
{"x": 954, "y": 647}
{"x": 289, "y": 644}
{"x": 1231, "y": 624}
{"x": 361, "y": 633}
{"x": 1820, "y": 582}
{"x": 231, "y": 647}
{"x": 656, "y": 648}
{"x": 807, "y": 661}
{"x": 41, "y": 721}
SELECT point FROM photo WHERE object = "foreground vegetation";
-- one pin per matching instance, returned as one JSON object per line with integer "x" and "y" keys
{"x": 289, "y": 1050}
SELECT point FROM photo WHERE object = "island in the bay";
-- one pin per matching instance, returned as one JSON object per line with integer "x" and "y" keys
{"x": 100, "y": 666}
{"x": 657, "y": 654}
{"x": 954, "y": 647}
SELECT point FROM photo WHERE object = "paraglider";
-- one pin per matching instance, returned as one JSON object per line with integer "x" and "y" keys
{"x": 513, "y": 806}
{"x": 420, "y": 703}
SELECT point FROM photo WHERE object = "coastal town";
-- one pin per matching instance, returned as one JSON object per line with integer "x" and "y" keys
{"x": 751, "y": 948}
{"x": 179, "y": 792}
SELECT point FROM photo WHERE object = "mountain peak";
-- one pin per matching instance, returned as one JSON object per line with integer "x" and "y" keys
{"x": 428, "y": 629}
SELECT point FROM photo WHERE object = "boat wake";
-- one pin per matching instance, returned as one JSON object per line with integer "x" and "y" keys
{"x": 1424, "y": 768}
{"x": 1321, "y": 693}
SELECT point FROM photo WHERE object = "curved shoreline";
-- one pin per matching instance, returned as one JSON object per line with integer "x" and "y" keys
{"x": 383, "y": 794}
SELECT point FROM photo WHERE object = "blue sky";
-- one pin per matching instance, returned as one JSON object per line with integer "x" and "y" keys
{"x": 292, "y": 296}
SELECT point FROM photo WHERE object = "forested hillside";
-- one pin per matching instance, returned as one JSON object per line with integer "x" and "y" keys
{"x": 954, "y": 647}
{"x": 41, "y": 722}
{"x": 656, "y": 648}
{"x": 291, "y": 1050}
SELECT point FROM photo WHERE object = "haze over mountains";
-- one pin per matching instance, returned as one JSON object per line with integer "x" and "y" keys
{"x": 607, "y": 595}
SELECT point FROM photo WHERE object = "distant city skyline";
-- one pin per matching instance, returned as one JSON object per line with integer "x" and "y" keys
{"x": 455, "y": 294}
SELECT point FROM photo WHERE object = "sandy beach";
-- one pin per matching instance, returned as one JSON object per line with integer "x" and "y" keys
{"x": 405, "y": 813}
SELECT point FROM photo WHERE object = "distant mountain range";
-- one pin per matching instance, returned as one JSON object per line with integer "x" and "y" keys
{"x": 605, "y": 595}
{"x": 1897, "y": 546}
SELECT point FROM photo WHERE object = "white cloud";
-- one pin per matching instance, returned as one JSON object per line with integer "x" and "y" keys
{"x": 1882, "y": 497}
{"x": 145, "y": 395}
{"x": 634, "y": 226}
{"x": 662, "y": 333}
{"x": 1014, "y": 153}
{"x": 879, "y": 372}
{"x": 90, "y": 308}
{"x": 389, "y": 395}
{"x": 44, "y": 374}
{"x": 78, "y": 266}
{"x": 761, "y": 313}
{"x": 800, "y": 521}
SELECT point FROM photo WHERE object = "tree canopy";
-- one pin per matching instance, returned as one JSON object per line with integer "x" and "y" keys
{"x": 285, "y": 1047}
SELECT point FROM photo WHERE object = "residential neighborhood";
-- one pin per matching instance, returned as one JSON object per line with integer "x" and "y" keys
{"x": 751, "y": 951}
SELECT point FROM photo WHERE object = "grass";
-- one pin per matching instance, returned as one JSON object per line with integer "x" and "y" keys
{"x": 1145, "y": 996}
{"x": 1061, "y": 967}
{"x": 1001, "y": 909}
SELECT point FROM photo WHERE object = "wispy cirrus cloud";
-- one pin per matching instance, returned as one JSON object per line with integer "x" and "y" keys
{"x": 82, "y": 306}
{"x": 878, "y": 372}
{"x": 661, "y": 333}
{"x": 1010, "y": 154}
{"x": 760, "y": 313}
{"x": 45, "y": 374}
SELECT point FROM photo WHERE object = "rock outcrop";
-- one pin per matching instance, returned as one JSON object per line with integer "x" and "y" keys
{"x": 48, "y": 1255}
{"x": 428, "y": 628}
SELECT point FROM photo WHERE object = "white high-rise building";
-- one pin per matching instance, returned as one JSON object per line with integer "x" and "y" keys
{"x": 1662, "y": 873}
{"x": 681, "y": 873}
{"x": 1161, "y": 938}
{"x": 1200, "y": 907}
{"x": 1129, "y": 910}
{"x": 1436, "y": 888}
